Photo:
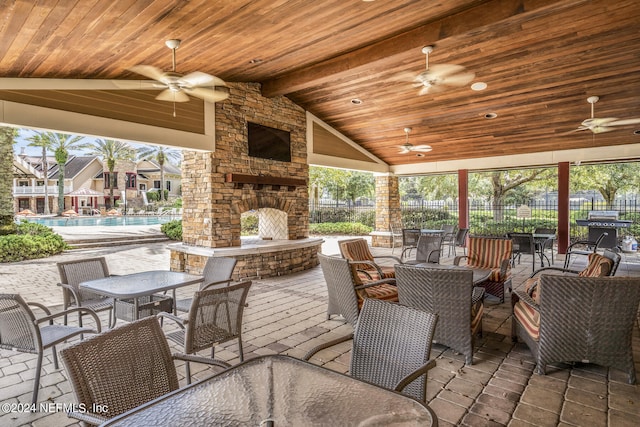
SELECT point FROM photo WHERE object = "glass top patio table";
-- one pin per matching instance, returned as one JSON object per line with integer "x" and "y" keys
{"x": 279, "y": 391}
{"x": 136, "y": 285}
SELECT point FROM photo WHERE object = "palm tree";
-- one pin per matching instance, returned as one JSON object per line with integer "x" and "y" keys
{"x": 161, "y": 155}
{"x": 111, "y": 151}
{"x": 7, "y": 135}
{"x": 38, "y": 141}
{"x": 61, "y": 143}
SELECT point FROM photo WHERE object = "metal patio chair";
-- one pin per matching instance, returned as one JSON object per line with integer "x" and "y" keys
{"x": 457, "y": 240}
{"x": 410, "y": 238}
{"x": 582, "y": 247}
{"x": 391, "y": 347}
{"x": 123, "y": 368}
{"x": 216, "y": 270}
{"x": 428, "y": 250}
{"x": 215, "y": 317}
{"x": 523, "y": 244}
{"x": 72, "y": 273}
{"x": 21, "y": 330}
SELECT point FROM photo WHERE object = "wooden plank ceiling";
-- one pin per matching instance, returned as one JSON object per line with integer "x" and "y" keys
{"x": 540, "y": 59}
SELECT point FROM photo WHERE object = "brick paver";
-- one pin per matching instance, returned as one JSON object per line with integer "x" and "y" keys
{"x": 288, "y": 315}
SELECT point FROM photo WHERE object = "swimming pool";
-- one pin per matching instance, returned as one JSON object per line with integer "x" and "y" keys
{"x": 102, "y": 221}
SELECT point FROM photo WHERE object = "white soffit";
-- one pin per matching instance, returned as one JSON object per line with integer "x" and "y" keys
{"x": 30, "y": 116}
{"x": 547, "y": 158}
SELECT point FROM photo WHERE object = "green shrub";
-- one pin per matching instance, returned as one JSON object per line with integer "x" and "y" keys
{"x": 30, "y": 241}
{"x": 249, "y": 224}
{"x": 173, "y": 229}
{"x": 340, "y": 228}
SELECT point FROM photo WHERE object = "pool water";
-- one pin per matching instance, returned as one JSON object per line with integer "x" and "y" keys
{"x": 102, "y": 221}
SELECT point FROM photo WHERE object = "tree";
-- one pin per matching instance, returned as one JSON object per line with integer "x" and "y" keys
{"x": 38, "y": 141}
{"x": 7, "y": 135}
{"x": 608, "y": 179}
{"x": 111, "y": 151}
{"x": 62, "y": 144}
{"x": 161, "y": 155}
{"x": 505, "y": 182}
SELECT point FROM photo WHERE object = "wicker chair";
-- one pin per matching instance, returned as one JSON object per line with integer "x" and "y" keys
{"x": 542, "y": 246}
{"x": 72, "y": 273}
{"x": 582, "y": 247}
{"x": 523, "y": 244}
{"x": 357, "y": 250}
{"x": 391, "y": 347}
{"x": 494, "y": 254}
{"x": 215, "y": 317}
{"x": 123, "y": 368}
{"x": 448, "y": 292}
{"x": 21, "y": 331}
{"x": 454, "y": 241}
{"x": 217, "y": 269}
{"x": 580, "y": 319}
{"x": 428, "y": 251}
{"x": 396, "y": 236}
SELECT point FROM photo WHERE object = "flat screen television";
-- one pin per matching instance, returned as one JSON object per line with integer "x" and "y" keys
{"x": 269, "y": 143}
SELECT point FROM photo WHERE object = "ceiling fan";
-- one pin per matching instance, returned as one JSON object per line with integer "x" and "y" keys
{"x": 179, "y": 87}
{"x": 601, "y": 125}
{"x": 439, "y": 77}
{"x": 407, "y": 147}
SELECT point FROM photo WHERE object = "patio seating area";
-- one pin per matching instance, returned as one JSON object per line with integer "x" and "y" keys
{"x": 288, "y": 315}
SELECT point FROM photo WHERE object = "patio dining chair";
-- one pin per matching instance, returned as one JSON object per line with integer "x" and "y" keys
{"x": 72, "y": 273}
{"x": 216, "y": 270}
{"x": 428, "y": 250}
{"x": 215, "y": 317}
{"x": 391, "y": 347}
{"x": 457, "y": 240}
{"x": 448, "y": 292}
{"x": 523, "y": 244}
{"x": 396, "y": 236}
{"x": 582, "y": 247}
{"x": 357, "y": 250}
{"x": 494, "y": 254}
{"x": 580, "y": 319}
{"x": 410, "y": 238}
{"x": 21, "y": 330}
{"x": 542, "y": 246}
{"x": 123, "y": 368}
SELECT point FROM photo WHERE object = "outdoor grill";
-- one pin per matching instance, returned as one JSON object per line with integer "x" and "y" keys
{"x": 604, "y": 222}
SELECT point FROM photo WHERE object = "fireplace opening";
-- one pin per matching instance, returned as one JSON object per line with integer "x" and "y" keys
{"x": 264, "y": 224}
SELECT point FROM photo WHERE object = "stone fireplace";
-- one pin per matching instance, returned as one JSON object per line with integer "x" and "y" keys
{"x": 218, "y": 186}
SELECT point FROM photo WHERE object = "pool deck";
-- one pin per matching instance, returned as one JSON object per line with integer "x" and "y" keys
{"x": 287, "y": 315}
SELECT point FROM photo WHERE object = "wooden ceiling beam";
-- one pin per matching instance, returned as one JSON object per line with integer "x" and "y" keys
{"x": 475, "y": 18}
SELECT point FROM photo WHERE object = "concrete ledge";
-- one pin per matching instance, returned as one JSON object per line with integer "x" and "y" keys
{"x": 251, "y": 247}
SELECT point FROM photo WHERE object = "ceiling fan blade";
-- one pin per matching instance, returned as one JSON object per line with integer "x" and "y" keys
{"x": 404, "y": 76}
{"x": 404, "y": 150}
{"x": 460, "y": 79}
{"x": 422, "y": 147}
{"x": 624, "y": 122}
{"x": 598, "y": 121}
{"x": 172, "y": 96}
{"x": 443, "y": 70}
{"x": 150, "y": 72}
{"x": 209, "y": 94}
{"x": 197, "y": 78}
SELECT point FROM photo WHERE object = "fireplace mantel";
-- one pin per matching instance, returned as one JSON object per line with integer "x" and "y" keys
{"x": 262, "y": 180}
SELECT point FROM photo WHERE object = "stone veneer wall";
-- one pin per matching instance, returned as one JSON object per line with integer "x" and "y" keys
{"x": 387, "y": 209}
{"x": 211, "y": 206}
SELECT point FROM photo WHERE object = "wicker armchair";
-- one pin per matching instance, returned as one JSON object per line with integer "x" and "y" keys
{"x": 72, "y": 273}
{"x": 391, "y": 347}
{"x": 122, "y": 368}
{"x": 215, "y": 317}
{"x": 217, "y": 269}
{"x": 428, "y": 251}
{"x": 580, "y": 319}
{"x": 582, "y": 247}
{"x": 448, "y": 292}
{"x": 21, "y": 331}
{"x": 357, "y": 250}
{"x": 494, "y": 254}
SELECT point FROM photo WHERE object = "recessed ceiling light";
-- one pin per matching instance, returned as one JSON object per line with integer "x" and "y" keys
{"x": 356, "y": 101}
{"x": 479, "y": 86}
{"x": 419, "y": 155}
{"x": 636, "y": 132}
{"x": 490, "y": 116}
{"x": 255, "y": 61}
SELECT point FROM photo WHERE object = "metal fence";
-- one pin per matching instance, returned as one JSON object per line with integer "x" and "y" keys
{"x": 484, "y": 217}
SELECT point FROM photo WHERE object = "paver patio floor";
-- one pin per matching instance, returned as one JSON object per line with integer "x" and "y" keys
{"x": 287, "y": 315}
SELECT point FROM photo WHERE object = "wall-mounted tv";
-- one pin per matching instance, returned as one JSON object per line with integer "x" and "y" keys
{"x": 269, "y": 143}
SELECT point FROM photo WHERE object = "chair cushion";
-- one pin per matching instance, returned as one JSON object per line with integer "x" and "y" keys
{"x": 490, "y": 253}
{"x": 532, "y": 287}
{"x": 356, "y": 250}
{"x": 598, "y": 266}
{"x": 384, "y": 292}
{"x": 529, "y": 318}
{"x": 476, "y": 315}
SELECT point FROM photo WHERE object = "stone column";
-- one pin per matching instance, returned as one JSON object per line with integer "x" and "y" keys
{"x": 387, "y": 209}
